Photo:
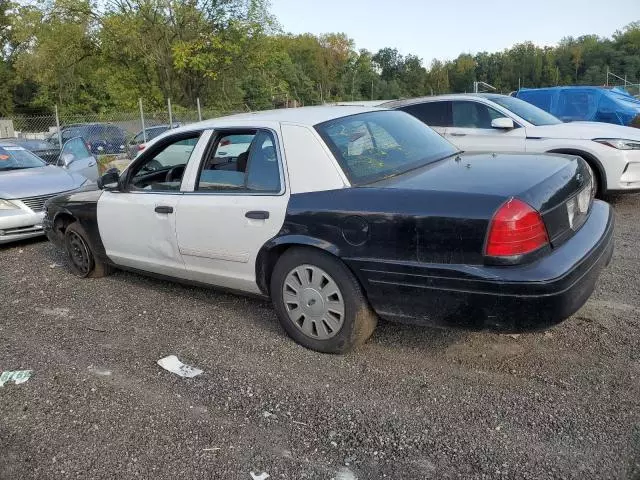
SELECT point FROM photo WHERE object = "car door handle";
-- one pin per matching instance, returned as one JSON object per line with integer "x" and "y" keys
{"x": 164, "y": 209}
{"x": 257, "y": 215}
{"x": 91, "y": 164}
{"x": 456, "y": 134}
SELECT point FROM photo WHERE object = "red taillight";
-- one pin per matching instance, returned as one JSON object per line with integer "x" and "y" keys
{"x": 516, "y": 229}
{"x": 141, "y": 146}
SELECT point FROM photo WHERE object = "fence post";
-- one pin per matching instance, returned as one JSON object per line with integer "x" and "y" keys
{"x": 199, "y": 111}
{"x": 144, "y": 131}
{"x": 58, "y": 127}
{"x": 170, "y": 114}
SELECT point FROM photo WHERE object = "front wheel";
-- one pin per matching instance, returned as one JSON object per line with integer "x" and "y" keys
{"x": 319, "y": 302}
{"x": 82, "y": 259}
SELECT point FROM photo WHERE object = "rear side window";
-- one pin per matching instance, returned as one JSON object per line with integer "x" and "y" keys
{"x": 241, "y": 162}
{"x": 434, "y": 114}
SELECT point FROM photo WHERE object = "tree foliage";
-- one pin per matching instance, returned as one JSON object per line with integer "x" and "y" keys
{"x": 88, "y": 56}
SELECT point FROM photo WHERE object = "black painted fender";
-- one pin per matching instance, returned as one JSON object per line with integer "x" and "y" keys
{"x": 592, "y": 161}
{"x": 271, "y": 251}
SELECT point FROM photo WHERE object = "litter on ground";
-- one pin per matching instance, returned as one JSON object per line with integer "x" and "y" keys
{"x": 173, "y": 365}
{"x": 262, "y": 476}
{"x": 18, "y": 376}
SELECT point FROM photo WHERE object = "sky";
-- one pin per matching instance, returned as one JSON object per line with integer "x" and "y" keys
{"x": 443, "y": 29}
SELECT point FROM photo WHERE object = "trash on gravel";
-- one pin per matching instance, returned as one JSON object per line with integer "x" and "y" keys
{"x": 262, "y": 476}
{"x": 54, "y": 265}
{"x": 18, "y": 376}
{"x": 266, "y": 414}
{"x": 173, "y": 365}
{"x": 345, "y": 474}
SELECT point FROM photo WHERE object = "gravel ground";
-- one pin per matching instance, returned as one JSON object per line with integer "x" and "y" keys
{"x": 414, "y": 403}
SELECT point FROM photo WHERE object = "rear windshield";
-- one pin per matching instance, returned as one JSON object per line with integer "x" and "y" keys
{"x": 15, "y": 158}
{"x": 530, "y": 113}
{"x": 376, "y": 145}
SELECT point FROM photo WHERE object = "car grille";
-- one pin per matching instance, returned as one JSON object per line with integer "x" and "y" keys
{"x": 37, "y": 203}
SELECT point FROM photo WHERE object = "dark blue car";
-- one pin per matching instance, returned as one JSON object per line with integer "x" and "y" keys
{"x": 594, "y": 104}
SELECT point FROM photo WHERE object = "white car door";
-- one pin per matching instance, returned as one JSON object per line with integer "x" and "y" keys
{"x": 76, "y": 157}
{"x": 238, "y": 203}
{"x": 138, "y": 223}
{"x": 472, "y": 130}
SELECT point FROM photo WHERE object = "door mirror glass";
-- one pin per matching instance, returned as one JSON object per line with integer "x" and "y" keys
{"x": 502, "y": 123}
{"x": 109, "y": 180}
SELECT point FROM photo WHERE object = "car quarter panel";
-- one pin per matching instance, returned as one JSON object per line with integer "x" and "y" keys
{"x": 387, "y": 226}
{"x": 310, "y": 164}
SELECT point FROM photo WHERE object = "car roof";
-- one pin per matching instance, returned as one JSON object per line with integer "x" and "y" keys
{"x": 308, "y": 116}
{"x": 434, "y": 98}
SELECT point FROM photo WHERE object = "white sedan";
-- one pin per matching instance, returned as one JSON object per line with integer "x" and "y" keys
{"x": 344, "y": 214}
{"x": 499, "y": 123}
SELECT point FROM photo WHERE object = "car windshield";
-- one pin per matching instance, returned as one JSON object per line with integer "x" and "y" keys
{"x": 532, "y": 114}
{"x": 16, "y": 158}
{"x": 376, "y": 145}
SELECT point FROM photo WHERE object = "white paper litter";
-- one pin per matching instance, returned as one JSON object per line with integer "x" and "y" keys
{"x": 262, "y": 476}
{"x": 173, "y": 365}
{"x": 18, "y": 376}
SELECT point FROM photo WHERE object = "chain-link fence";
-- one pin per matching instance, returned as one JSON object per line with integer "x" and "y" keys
{"x": 113, "y": 136}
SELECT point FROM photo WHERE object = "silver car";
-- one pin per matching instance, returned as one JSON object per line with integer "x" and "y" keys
{"x": 27, "y": 182}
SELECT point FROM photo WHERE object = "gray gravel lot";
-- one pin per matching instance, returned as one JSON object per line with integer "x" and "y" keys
{"x": 413, "y": 403}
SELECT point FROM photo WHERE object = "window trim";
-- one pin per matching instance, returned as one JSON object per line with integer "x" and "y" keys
{"x": 217, "y": 134}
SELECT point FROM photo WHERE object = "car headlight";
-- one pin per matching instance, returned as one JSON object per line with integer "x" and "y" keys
{"x": 619, "y": 143}
{"x": 7, "y": 205}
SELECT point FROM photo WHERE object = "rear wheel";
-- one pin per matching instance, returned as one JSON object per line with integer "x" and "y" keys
{"x": 82, "y": 259}
{"x": 319, "y": 302}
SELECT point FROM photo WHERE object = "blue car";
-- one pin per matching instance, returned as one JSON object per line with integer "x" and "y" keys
{"x": 594, "y": 104}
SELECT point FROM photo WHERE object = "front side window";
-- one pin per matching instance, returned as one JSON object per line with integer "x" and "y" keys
{"x": 243, "y": 161}
{"x": 473, "y": 115}
{"x": 17, "y": 158}
{"x": 162, "y": 168}
{"x": 376, "y": 145}
{"x": 530, "y": 113}
{"x": 434, "y": 114}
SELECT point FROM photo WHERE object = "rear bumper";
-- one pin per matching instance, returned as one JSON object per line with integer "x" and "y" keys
{"x": 508, "y": 299}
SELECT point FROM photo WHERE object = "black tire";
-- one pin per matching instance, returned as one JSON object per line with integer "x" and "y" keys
{"x": 82, "y": 259}
{"x": 359, "y": 320}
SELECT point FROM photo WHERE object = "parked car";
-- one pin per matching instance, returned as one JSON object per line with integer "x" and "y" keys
{"x": 500, "y": 123}
{"x": 47, "y": 151}
{"x": 101, "y": 138}
{"x": 26, "y": 182}
{"x": 594, "y": 104}
{"x": 139, "y": 140}
{"x": 344, "y": 214}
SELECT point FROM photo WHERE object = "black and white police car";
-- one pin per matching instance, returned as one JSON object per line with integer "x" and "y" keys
{"x": 343, "y": 214}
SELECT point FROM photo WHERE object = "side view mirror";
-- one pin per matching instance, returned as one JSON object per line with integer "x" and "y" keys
{"x": 67, "y": 159}
{"x": 109, "y": 179}
{"x": 502, "y": 123}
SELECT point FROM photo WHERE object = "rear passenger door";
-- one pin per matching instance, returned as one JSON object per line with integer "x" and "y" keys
{"x": 471, "y": 129}
{"x": 237, "y": 203}
{"x": 437, "y": 115}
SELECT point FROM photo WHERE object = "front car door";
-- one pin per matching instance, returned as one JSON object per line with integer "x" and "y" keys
{"x": 137, "y": 223}
{"x": 237, "y": 203}
{"x": 471, "y": 129}
{"x": 76, "y": 157}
